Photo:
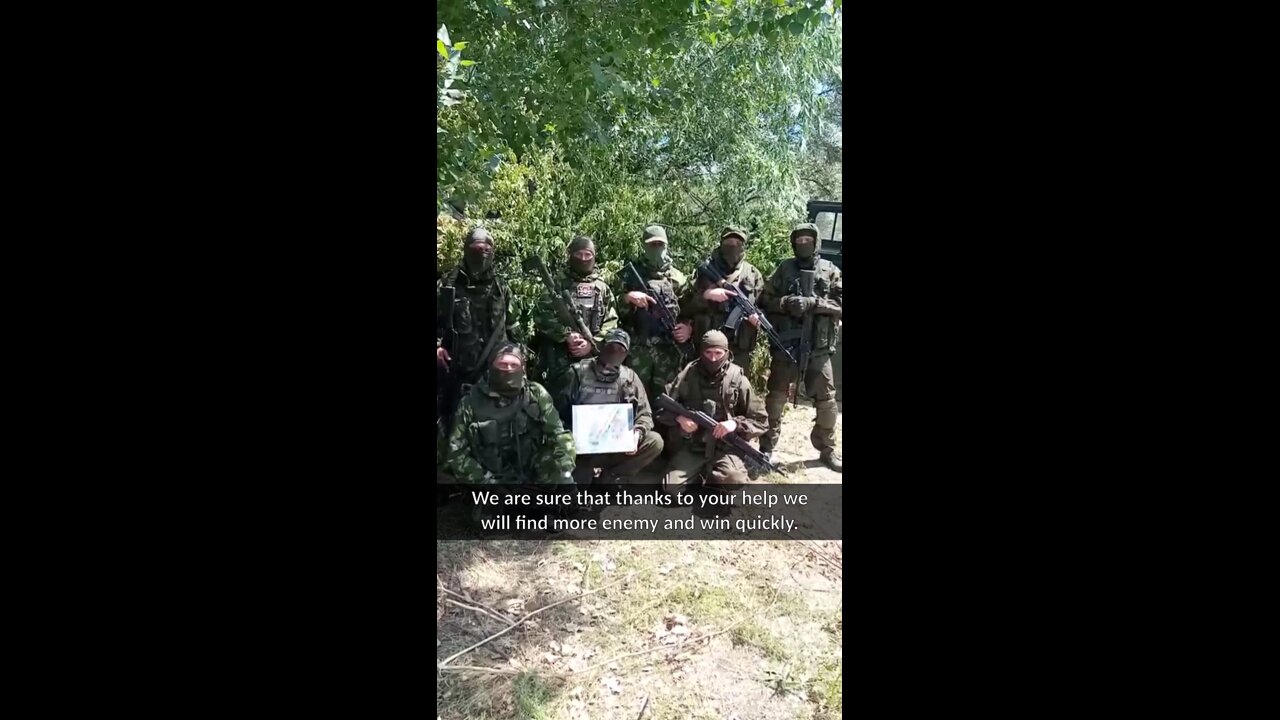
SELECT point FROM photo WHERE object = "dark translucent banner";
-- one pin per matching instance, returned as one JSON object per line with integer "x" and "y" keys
{"x": 638, "y": 512}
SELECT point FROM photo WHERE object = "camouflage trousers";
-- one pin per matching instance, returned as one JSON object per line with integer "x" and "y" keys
{"x": 619, "y": 466}
{"x": 656, "y": 365}
{"x": 819, "y": 385}
{"x": 553, "y": 361}
{"x": 722, "y": 469}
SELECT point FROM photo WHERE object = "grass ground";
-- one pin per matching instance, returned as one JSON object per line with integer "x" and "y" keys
{"x": 740, "y": 629}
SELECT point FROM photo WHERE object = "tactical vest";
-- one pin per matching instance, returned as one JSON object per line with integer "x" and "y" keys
{"x": 594, "y": 391}
{"x": 743, "y": 340}
{"x": 647, "y": 327}
{"x": 725, "y": 396}
{"x": 478, "y": 312}
{"x": 506, "y": 438}
{"x": 587, "y": 296}
{"x": 824, "y": 329}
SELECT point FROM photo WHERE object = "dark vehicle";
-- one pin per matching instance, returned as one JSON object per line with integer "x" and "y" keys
{"x": 828, "y": 216}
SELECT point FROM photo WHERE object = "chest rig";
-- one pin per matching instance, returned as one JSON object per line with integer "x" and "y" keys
{"x": 648, "y": 325}
{"x": 479, "y": 316}
{"x": 507, "y": 436}
{"x": 722, "y": 391}
{"x": 586, "y": 297}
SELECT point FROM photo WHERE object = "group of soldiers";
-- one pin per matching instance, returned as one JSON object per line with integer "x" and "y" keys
{"x": 630, "y": 342}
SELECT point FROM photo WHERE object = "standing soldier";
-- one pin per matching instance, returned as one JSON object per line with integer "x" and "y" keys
{"x": 472, "y": 318}
{"x": 655, "y": 355}
{"x": 710, "y": 305}
{"x": 784, "y": 297}
{"x": 603, "y": 380}
{"x": 558, "y": 344}
{"x": 715, "y": 385}
{"x": 508, "y": 431}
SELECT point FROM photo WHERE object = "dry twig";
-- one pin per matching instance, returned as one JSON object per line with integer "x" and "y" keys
{"x": 483, "y": 610}
{"x": 443, "y": 664}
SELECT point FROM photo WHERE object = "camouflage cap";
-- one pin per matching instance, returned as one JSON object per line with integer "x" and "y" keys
{"x": 479, "y": 233}
{"x": 805, "y": 229}
{"x": 714, "y": 338}
{"x": 509, "y": 349}
{"x": 582, "y": 242}
{"x": 620, "y": 336}
{"x": 655, "y": 233}
{"x": 734, "y": 230}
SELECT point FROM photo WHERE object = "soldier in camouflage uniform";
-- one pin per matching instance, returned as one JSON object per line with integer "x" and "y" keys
{"x": 781, "y": 300}
{"x": 654, "y": 355}
{"x": 718, "y": 387}
{"x": 558, "y": 345}
{"x": 709, "y": 305}
{"x": 603, "y": 380}
{"x": 481, "y": 318}
{"x": 508, "y": 431}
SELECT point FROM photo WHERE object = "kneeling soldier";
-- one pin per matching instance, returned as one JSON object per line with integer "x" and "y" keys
{"x": 508, "y": 431}
{"x": 718, "y": 387}
{"x": 603, "y": 380}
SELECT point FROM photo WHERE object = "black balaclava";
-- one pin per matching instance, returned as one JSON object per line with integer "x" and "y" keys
{"x": 612, "y": 352}
{"x": 710, "y": 339}
{"x": 477, "y": 260}
{"x": 507, "y": 382}
{"x": 730, "y": 257}
{"x": 811, "y": 230}
{"x": 582, "y": 270}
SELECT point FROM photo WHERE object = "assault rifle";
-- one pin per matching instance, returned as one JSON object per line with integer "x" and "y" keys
{"x": 706, "y": 422}
{"x": 561, "y": 300}
{"x": 805, "y": 288}
{"x": 657, "y": 308}
{"x": 744, "y": 308}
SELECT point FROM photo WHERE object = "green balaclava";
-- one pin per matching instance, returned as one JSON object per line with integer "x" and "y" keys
{"x": 578, "y": 268}
{"x": 731, "y": 256}
{"x": 507, "y": 382}
{"x": 808, "y": 252}
{"x": 655, "y": 248}
{"x": 713, "y": 339}
{"x": 614, "y": 349}
{"x": 477, "y": 251}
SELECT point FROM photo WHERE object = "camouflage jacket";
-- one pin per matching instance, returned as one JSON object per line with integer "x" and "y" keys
{"x": 643, "y": 325}
{"x": 499, "y": 439}
{"x": 480, "y": 309}
{"x": 580, "y": 385}
{"x": 593, "y": 298}
{"x": 827, "y": 288}
{"x": 729, "y": 390}
{"x": 707, "y": 315}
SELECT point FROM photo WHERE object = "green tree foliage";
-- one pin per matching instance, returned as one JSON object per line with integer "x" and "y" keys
{"x": 568, "y": 116}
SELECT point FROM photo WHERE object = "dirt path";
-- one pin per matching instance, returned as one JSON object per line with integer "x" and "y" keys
{"x": 741, "y": 629}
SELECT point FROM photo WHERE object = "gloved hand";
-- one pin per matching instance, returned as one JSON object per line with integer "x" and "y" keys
{"x": 797, "y": 305}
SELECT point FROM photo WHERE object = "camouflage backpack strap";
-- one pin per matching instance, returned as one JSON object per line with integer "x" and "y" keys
{"x": 529, "y": 407}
